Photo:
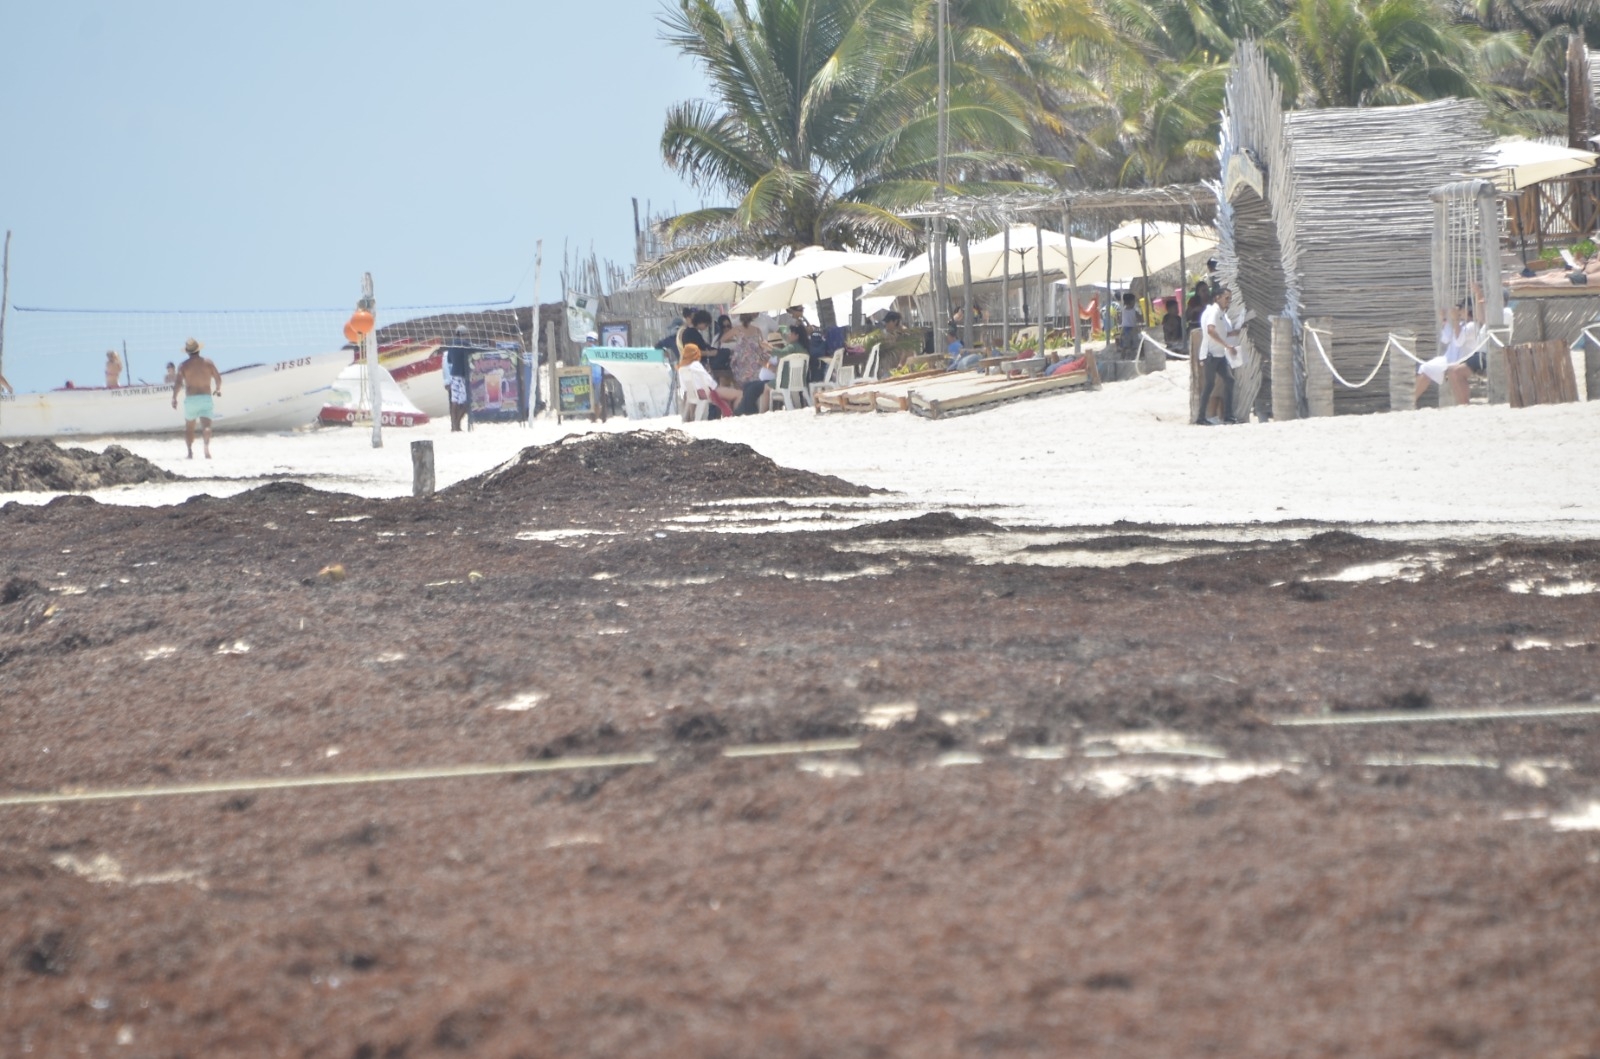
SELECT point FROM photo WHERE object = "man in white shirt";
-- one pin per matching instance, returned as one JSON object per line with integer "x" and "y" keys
{"x": 1219, "y": 347}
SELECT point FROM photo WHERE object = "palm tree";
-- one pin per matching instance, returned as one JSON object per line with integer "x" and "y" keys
{"x": 822, "y": 130}
{"x": 1352, "y": 53}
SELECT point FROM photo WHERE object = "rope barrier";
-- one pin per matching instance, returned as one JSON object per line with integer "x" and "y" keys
{"x": 1144, "y": 336}
{"x": 1488, "y": 335}
{"x": 1342, "y": 381}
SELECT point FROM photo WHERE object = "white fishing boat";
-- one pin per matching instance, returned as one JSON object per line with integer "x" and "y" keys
{"x": 265, "y": 397}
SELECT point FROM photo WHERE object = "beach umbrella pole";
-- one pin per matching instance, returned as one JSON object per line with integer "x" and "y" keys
{"x": 966, "y": 290}
{"x": 1110, "y": 306}
{"x": 1005, "y": 289}
{"x": 1072, "y": 284}
{"x": 1038, "y": 235}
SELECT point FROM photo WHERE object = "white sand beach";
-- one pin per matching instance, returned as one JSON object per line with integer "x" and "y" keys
{"x": 1125, "y": 453}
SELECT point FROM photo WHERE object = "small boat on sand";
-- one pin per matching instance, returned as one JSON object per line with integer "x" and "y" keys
{"x": 265, "y": 397}
{"x": 348, "y": 402}
{"x": 418, "y": 369}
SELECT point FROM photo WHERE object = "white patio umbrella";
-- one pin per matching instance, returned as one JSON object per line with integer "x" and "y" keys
{"x": 1159, "y": 242}
{"x": 1516, "y": 164}
{"x": 989, "y": 260}
{"x": 989, "y": 256}
{"x": 727, "y": 281}
{"x": 813, "y": 274}
{"x": 911, "y": 278}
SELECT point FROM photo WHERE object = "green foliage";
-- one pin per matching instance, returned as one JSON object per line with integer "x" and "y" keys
{"x": 821, "y": 125}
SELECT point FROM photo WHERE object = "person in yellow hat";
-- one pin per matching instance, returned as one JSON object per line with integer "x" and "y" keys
{"x": 196, "y": 377}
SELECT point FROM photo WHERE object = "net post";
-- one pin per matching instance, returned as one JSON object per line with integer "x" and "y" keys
{"x": 5, "y": 298}
{"x": 533, "y": 373}
{"x": 369, "y": 344}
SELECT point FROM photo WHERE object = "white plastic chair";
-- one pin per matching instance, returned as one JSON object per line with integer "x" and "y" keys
{"x": 789, "y": 389}
{"x": 697, "y": 409}
{"x": 870, "y": 369}
{"x": 830, "y": 376}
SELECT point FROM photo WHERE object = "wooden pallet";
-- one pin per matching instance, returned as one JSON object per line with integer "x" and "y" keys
{"x": 1540, "y": 373}
{"x": 981, "y": 391}
{"x": 864, "y": 396}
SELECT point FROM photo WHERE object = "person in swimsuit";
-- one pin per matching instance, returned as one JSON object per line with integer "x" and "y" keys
{"x": 200, "y": 381}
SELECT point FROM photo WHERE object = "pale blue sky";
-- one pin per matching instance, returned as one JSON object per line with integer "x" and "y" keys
{"x": 161, "y": 154}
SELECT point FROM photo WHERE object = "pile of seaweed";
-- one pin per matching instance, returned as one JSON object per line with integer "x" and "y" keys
{"x": 43, "y": 466}
{"x": 650, "y": 466}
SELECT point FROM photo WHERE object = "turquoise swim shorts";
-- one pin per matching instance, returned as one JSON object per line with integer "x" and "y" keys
{"x": 197, "y": 406}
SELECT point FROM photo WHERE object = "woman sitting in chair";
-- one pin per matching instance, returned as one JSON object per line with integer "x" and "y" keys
{"x": 694, "y": 379}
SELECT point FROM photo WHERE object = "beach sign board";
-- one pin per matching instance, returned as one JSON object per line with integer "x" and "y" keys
{"x": 574, "y": 392}
{"x": 494, "y": 386}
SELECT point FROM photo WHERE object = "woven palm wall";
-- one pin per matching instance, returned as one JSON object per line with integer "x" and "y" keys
{"x": 1342, "y": 224}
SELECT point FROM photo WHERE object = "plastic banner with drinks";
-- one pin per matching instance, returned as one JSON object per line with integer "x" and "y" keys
{"x": 495, "y": 386}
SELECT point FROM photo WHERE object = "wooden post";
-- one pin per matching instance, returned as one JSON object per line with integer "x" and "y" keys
{"x": 1495, "y": 355}
{"x": 422, "y": 468}
{"x": 1319, "y": 378}
{"x": 1403, "y": 373}
{"x": 1284, "y": 404}
{"x": 1196, "y": 374}
{"x": 1246, "y": 381}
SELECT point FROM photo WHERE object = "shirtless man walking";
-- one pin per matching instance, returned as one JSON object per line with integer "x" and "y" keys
{"x": 196, "y": 376}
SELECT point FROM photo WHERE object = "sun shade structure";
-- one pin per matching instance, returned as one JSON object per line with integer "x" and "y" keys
{"x": 1516, "y": 164}
{"x": 1143, "y": 248}
{"x": 1326, "y": 213}
{"x": 727, "y": 281}
{"x": 813, "y": 274}
{"x": 990, "y": 257}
